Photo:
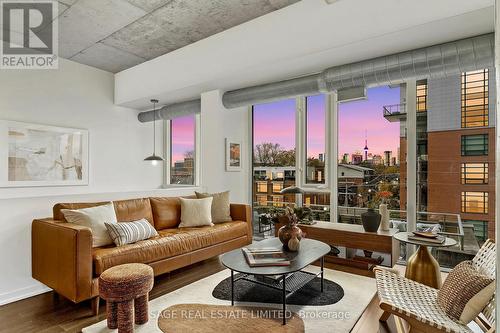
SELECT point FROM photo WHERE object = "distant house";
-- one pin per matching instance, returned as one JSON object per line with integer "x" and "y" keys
{"x": 355, "y": 174}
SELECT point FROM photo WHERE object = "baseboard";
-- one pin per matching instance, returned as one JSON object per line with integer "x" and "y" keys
{"x": 19, "y": 294}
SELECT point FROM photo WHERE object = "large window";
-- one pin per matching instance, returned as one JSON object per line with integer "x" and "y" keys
{"x": 370, "y": 144}
{"x": 475, "y": 99}
{"x": 182, "y": 150}
{"x": 475, "y": 145}
{"x": 475, "y": 173}
{"x": 273, "y": 157}
{"x": 315, "y": 139}
{"x": 475, "y": 202}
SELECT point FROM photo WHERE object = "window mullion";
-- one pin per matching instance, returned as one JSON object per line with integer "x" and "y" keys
{"x": 332, "y": 137}
{"x": 167, "y": 140}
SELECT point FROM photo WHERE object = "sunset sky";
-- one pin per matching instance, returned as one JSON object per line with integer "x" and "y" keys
{"x": 183, "y": 129}
{"x": 275, "y": 122}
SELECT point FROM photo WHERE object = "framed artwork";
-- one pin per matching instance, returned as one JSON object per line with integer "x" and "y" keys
{"x": 233, "y": 155}
{"x": 41, "y": 155}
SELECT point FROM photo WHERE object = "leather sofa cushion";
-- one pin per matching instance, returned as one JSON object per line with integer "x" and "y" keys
{"x": 171, "y": 242}
{"x": 126, "y": 210}
{"x": 133, "y": 210}
{"x": 166, "y": 212}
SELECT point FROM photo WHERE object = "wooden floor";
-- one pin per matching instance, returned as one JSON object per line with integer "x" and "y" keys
{"x": 46, "y": 314}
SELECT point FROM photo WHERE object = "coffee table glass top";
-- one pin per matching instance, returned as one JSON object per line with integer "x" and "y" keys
{"x": 310, "y": 251}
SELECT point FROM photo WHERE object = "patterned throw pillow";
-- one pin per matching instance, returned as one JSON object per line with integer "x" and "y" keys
{"x": 465, "y": 292}
{"x": 130, "y": 232}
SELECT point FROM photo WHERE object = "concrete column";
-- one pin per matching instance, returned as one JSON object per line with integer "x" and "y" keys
{"x": 411, "y": 158}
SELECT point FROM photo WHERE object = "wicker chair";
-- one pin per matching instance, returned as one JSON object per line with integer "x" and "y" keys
{"x": 416, "y": 303}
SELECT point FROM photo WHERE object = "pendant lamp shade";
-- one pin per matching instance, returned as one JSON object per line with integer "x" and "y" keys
{"x": 154, "y": 159}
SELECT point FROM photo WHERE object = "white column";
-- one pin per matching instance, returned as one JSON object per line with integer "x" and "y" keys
{"x": 411, "y": 158}
{"x": 332, "y": 149}
{"x": 497, "y": 147}
{"x": 300, "y": 147}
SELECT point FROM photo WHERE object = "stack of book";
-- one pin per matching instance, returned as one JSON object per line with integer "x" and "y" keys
{"x": 428, "y": 237}
{"x": 261, "y": 257}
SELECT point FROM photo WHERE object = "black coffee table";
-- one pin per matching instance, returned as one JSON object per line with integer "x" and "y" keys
{"x": 310, "y": 251}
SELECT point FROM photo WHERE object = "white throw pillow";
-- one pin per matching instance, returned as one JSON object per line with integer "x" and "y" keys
{"x": 196, "y": 212}
{"x": 94, "y": 218}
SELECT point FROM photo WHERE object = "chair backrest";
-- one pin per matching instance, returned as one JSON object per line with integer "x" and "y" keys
{"x": 485, "y": 262}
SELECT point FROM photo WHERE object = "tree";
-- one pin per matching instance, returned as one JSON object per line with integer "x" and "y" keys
{"x": 272, "y": 154}
{"x": 286, "y": 158}
{"x": 266, "y": 153}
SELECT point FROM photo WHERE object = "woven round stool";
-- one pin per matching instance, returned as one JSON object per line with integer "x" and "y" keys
{"x": 126, "y": 291}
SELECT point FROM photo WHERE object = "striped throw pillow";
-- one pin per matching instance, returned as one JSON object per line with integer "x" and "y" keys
{"x": 130, "y": 232}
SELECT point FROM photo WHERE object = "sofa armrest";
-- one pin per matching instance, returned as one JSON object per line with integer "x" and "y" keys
{"x": 62, "y": 257}
{"x": 243, "y": 212}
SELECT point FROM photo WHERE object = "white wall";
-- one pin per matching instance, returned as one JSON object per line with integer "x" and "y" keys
{"x": 73, "y": 96}
{"x": 217, "y": 124}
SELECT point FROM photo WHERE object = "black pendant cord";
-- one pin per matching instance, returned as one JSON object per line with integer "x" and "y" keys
{"x": 154, "y": 129}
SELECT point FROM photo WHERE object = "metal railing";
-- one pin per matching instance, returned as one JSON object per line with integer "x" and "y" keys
{"x": 450, "y": 224}
{"x": 394, "y": 109}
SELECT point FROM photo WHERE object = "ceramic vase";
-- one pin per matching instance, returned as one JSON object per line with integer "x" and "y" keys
{"x": 371, "y": 220}
{"x": 384, "y": 217}
{"x": 294, "y": 244}
{"x": 286, "y": 232}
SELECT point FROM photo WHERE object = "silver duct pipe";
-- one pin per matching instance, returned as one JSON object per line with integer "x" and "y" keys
{"x": 428, "y": 62}
{"x": 304, "y": 85}
{"x": 172, "y": 111}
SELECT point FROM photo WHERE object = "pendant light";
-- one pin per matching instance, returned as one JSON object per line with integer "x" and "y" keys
{"x": 154, "y": 159}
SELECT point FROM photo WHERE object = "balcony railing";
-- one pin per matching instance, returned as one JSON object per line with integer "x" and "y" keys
{"x": 397, "y": 112}
{"x": 394, "y": 109}
{"x": 450, "y": 224}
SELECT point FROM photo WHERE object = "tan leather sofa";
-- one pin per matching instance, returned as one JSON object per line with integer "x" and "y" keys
{"x": 64, "y": 260}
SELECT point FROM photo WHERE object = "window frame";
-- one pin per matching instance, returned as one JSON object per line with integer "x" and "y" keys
{"x": 167, "y": 150}
{"x": 465, "y": 200}
{"x": 302, "y": 104}
{"x": 422, "y": 88}
{"x": 474, "y": 168}
{"x": 301, "y": 145}
{"x": 485, "y": 144}
{"x": 480, "y": 110}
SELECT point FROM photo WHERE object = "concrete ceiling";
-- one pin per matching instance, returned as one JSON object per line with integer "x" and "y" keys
{"x": 304, "y": 38}
{"x": 114, "y": 35}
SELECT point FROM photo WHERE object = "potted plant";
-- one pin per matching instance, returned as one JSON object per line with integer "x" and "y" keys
{"x": 370, "y": 218}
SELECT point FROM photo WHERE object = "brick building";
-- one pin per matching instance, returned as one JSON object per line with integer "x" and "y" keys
{"x": 455, "y": 147}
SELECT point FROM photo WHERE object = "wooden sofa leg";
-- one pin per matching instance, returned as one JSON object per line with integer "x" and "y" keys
{"x": 384, "y": 316}
{"x": 95, "y": 305}
{"x": 55, "y": 297}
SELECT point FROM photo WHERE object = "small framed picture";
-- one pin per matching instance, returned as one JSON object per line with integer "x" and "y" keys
{"x": 233, "y": 155}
